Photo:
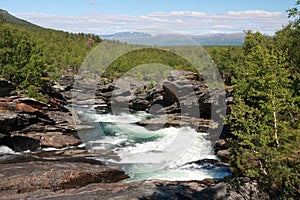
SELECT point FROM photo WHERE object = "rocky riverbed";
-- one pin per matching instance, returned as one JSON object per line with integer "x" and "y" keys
{"x": 43, "y": 157}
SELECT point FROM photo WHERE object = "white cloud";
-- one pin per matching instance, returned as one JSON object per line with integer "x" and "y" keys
{"x": 180, "y": 21}
{"x": 91, "y": 2}
{"x": 178, "y": 14}
{"x": 254, "y": 14}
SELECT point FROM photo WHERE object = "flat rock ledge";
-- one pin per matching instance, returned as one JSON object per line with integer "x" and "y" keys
{"x": 27, "y": 177}
{"x": 208, "y": 189}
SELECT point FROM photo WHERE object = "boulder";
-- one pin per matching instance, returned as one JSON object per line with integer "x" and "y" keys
{"x": 221, "y": 144}
{"x": 169, "y": 94}
{"x": 224, "y": 155}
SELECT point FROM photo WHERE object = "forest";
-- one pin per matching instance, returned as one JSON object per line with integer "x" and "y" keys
{"x": 30, "y": 55}
{"x": 264, "y": 72}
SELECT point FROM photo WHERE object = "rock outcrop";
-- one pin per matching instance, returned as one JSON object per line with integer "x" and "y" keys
{"x": 183, "y": 93}
{"x": 174, "y": 120}
{"x": 37, "y": 175}
{"x": 154, "y": 189}
{"x": 208, "y": 189}
{"x": 27, "y": 120}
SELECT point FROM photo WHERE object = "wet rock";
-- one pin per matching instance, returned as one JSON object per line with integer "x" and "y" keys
{"x": 211, "y": 162}
{"x": 177, "y": 120}
{"x": 6, "y": 88}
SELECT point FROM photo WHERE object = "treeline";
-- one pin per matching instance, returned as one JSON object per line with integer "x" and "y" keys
{"x": 265, "y": 119}
{"x": 113, "y": 59}
{"x": 31, "y": 55}
{"x": 147, "y": 56}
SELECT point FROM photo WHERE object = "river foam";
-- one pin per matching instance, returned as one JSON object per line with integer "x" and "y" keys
{"x": 166, "y": 154}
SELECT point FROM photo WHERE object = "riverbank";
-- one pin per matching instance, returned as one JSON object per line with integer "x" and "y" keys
{"x": 42, "y": 155}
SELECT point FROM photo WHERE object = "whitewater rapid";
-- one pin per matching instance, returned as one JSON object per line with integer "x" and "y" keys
{"x": 166, "y": 154}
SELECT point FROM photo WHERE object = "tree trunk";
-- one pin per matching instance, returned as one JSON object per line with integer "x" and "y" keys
{"x": 275, "y": 121}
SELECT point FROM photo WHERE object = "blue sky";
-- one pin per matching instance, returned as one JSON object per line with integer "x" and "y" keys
{"x": 187, "y": 16}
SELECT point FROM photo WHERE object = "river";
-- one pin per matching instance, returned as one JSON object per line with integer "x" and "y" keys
{"x": 175, "y": 154}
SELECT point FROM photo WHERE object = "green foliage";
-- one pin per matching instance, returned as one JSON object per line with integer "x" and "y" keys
{"x": 114, "y": 59}
{"x": 34, "y": 92}
{"x": 262, "y": 119}
{"x": 145, "y": 56}
{"x": 289, "y": 38}
{"x": 227, "y": 59}
{"x": 265, "y": 121}
{"x": 29, "y": 54}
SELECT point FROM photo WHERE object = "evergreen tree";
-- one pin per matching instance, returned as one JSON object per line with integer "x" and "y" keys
{"x": 261, "y": 118}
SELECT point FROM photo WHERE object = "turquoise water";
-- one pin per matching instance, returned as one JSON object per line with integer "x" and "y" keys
{"x": 167, "y": 154}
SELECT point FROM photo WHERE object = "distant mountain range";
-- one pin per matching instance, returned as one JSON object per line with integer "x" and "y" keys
{"x": 220, "y": 39}
{"x": 177, "y": 39}
{"x": 148, "y": 39}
